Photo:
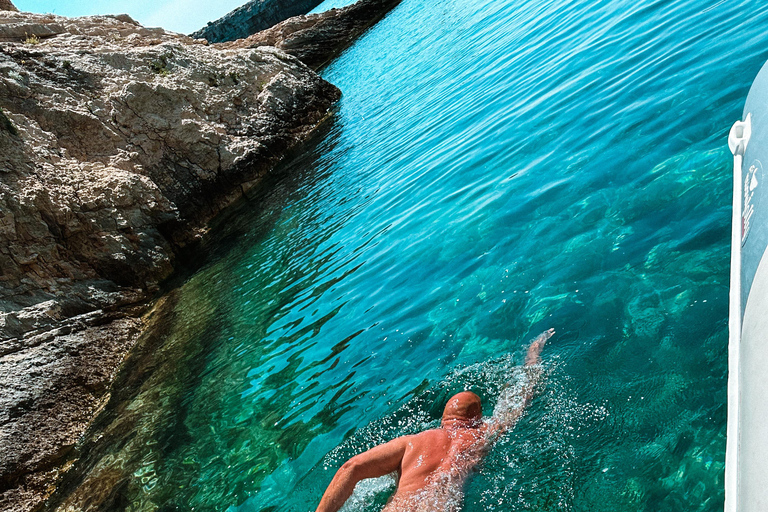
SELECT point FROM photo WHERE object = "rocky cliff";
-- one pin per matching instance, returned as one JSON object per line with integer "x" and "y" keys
{"x": 316, "y": 39}
{"x": 6, "y": 5}
{"x": 252, "y": 17}
{"x": 118, "y": 144}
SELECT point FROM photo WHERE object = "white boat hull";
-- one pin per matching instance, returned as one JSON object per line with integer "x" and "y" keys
{"x": 746, "y": 471}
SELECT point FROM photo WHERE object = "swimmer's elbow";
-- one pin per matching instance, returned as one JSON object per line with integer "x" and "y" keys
{"x": 349, "y": 466}
{"x": 377, "y": 461}
{"x": 353, "y": 468}
{"x": 361, "y": 467}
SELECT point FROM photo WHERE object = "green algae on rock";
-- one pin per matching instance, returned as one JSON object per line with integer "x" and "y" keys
{"x": 7, "y": 125}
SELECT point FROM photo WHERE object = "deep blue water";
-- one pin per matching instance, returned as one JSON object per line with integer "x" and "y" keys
{"x": 494, "y": 169}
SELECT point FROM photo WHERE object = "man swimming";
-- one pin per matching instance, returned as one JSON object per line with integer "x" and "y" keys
{"x": 433, "y": 465}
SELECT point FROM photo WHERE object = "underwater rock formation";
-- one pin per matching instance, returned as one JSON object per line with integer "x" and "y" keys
{"x": 250, "y": 18}
{"x": 118, "y": 143}
{"x": 316, "y": 39}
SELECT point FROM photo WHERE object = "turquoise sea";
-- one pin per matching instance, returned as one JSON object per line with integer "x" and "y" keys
{"x": 494, "y": 168}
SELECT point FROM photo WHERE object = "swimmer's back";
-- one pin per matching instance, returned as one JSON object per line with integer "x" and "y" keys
{"x": 424, "y": 454}
{"x": 438, "y": 451}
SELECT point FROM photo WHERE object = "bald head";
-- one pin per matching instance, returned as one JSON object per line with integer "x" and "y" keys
{"x": 463, "y": 409}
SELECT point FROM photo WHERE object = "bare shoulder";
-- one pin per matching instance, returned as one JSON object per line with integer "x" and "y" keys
{"x": 435, "y": 433}
{"x": 429, "y": 438}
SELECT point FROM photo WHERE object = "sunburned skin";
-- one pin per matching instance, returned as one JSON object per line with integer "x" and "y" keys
{"x": 435, "y": 465}
{"x": 432, "y": 466}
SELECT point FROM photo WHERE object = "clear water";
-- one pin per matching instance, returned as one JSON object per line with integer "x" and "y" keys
{"x": 494, "y": 169}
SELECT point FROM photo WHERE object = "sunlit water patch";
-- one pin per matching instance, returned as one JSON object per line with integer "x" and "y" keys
{"x": 493, "y": 169}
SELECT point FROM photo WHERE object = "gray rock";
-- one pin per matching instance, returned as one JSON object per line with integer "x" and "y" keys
{"x": 122, "y": 141}
{"x": 52, "y": 388}
{"x": 252, "y": 17}
{"x": 118, "y": 144}
{"x": 317, "y": 38}
{"x": 7, "y": 5}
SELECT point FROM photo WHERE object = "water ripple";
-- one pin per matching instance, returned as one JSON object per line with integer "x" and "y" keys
{"x": 494, "y": 168}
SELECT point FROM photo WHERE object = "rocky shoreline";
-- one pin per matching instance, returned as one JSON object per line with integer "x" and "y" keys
{"x": 253, "y": 17}
{"x": 316, "y": 39}
{"x": 118, "y": 145}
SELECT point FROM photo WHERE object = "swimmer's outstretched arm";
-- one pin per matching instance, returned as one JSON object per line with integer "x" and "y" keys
{"x": 515, "y": 398}
{"x": 534, "y": 349}
{"x": 378, "y": 461}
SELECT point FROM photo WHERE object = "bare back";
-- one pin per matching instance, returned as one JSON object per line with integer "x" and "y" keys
{"x": 434, "y": 467}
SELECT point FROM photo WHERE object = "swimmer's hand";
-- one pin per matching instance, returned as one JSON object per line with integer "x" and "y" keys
{"x": 534, "y": 350}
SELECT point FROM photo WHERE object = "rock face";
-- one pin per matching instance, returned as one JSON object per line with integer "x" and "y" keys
{"x": 117, "y": 144}
{"x": 7, "y": 5}
{"x": 317, "y": 38}
{"x": 252, "y": 17}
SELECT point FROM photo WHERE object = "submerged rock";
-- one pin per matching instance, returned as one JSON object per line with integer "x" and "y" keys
{"x": 253, "y": 16}
{"x": 316, "y": 39}
{"x": 118, "y": 143}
